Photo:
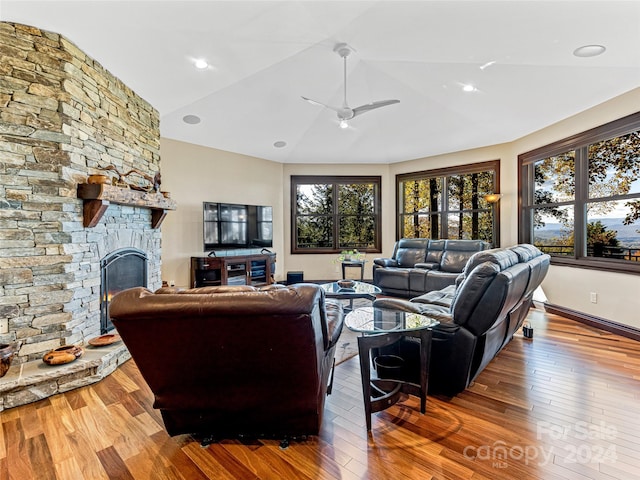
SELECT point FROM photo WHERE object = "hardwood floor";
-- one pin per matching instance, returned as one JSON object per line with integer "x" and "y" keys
{"x": 563, "y": 405}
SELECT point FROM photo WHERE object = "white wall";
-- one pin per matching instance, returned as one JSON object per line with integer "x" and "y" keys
{"x": 196, "y": 174}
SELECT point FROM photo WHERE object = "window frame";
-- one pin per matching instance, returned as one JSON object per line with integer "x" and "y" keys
{"x": 336, "y": 180}
{"x": 479, "y": 167}
{"x": 579, "y": 143}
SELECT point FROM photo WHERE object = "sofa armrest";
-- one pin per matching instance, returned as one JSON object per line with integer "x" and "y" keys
{"x": 385, "y": 262}
{"x": 437, "y": 312}
{"x": 427, "y": 265}
{"x": 335, "y": 320}
{"x": 396, "y": 304}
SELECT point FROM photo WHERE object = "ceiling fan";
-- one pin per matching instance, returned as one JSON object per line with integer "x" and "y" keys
{"x": 345, "y": 112}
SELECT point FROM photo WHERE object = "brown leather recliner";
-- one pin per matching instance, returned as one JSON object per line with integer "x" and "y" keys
{"x": 229, "y": 361}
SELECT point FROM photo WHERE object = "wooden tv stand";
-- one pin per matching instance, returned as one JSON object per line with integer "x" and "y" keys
{"x": 251, "y": 269}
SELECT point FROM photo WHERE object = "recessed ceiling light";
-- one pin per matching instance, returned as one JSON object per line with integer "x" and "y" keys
{"x": 191, "y": 119}
{"x": 201, "y": 63}
{"x": 280, "y": 144}
{"x": 468, "y": 88}
{"x": 589, "y": 51}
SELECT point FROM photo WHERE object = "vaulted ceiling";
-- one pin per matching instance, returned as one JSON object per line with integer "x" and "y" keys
{"x": 516, "y": 57}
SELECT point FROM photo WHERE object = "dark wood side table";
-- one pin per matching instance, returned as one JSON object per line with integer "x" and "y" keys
{"x": 353, "y": 263}
{"x": 381, "y": 328}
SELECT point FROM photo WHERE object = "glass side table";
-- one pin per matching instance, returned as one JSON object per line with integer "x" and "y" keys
{"x": 381, "y": 328}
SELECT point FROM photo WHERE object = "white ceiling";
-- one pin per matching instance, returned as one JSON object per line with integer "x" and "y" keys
{"x": 265, "y": 55}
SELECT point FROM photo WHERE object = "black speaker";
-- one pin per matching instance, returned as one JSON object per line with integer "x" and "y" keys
{"x": 295, "y": 277}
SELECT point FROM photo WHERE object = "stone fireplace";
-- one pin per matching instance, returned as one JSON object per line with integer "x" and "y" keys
{"x": 62, "y": 118}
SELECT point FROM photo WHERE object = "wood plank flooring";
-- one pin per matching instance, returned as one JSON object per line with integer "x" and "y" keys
{"x": 564, "y": 405}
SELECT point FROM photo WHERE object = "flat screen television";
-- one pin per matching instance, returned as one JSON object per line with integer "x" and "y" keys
{"x": 231, "y": 225}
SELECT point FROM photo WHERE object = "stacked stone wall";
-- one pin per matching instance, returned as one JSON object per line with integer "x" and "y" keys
{"x": 63, "y": 117}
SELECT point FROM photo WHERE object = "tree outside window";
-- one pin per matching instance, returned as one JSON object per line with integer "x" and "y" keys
{"x": 332, "y": 214}
{"x": 449, "y": 203}
{"x": 582, "y": 204}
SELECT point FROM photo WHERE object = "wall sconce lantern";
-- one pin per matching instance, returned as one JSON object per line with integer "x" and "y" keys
{"x": 493, "y": 197}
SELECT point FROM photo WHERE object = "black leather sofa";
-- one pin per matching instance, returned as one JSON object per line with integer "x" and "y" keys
{"x": 233, "y": 360}
{"x": 421, "y": 265}
{"x": 478, "y": 316}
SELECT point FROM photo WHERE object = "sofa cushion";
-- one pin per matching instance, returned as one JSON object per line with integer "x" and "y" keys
{"x": 437, "y": 279}
{"x": 436, "y": 248}
{"x": 393, "y": 278}
{"x": 453, "y": 261}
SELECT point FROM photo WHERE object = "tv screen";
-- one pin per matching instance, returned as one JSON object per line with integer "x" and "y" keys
{"x": 230, "y": 225}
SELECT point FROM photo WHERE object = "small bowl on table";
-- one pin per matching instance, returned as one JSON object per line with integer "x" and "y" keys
{"x": 346, "y": 283}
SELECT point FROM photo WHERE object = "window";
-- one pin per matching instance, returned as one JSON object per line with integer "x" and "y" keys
{"x": 331, "y": 214}
{"x": 449, "y": 203}
{"x": 580, "y": 197}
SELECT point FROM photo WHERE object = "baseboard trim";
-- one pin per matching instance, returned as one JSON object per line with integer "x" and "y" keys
{"x": 593, "y": 321}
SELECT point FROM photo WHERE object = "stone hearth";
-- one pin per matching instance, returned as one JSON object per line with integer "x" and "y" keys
{"x": 62, "y": 118}
{"x": 32, "y": 381}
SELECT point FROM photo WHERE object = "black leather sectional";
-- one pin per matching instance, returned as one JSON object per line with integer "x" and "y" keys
{"x": 478, "y": 315}
{"x": 420, "y": 265}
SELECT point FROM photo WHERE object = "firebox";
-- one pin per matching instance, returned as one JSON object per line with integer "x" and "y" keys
{"x": 119, "y": 270}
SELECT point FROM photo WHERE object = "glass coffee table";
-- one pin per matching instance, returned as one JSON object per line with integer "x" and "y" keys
{"x": 382, "y": 327}
{"x": 356, "y": 290}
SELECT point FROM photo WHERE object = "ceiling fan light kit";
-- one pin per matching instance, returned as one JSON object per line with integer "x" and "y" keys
{"x": 345, "y": 112}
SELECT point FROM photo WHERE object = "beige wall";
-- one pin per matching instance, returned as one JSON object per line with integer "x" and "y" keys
{"x": 194, "y": 174}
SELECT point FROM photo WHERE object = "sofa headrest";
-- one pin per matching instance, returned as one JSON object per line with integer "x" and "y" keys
{"x": 413, "y": 243}
{"x": 411, "y": 251}
{"x": 228, "y": 300}
{"x": 525, "y": 251}
{"x": 502, "y": 257}
{"x": 466, "y": 245}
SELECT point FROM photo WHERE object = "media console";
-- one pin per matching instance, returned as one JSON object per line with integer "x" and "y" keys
{"x": 251, "y": 269}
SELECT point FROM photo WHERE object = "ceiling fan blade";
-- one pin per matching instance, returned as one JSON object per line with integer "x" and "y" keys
{"x": 314, "y": 102}
{"x": 372, "y": 106}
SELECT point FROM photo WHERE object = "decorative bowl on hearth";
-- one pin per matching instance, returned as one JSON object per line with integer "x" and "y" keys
{"x": 105, "y": 340}
{"x": 62, "y": 355}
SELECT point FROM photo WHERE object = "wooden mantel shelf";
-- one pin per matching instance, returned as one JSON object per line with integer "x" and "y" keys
{"x": 98, "y": 197}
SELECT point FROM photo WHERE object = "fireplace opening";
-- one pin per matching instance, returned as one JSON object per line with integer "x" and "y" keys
{"x": 119, "y": 270}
